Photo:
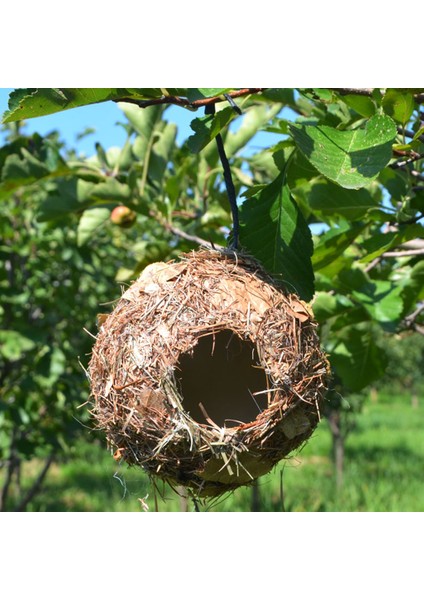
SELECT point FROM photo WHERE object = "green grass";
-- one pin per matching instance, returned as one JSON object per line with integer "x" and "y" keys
{"x": 383, "y": 472}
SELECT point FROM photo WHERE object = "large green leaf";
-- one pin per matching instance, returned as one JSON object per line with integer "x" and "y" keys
{"x": 91, "y": 220}
{"x": 383, "y": 301}
{"x": 399, "y": 104}
{"x": 25, "y": 169}
{"x": 273, "y": 229}
{"x": 143, "y": 121}
{"x": 352, "y": 159}
{"x": 332, "y": 199}
{"x": 14, "y": 345}
{"x": 328, "y": 304}
{"x": 36, "y": 102}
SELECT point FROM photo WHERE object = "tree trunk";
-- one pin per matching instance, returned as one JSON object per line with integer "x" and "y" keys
{"x": 338, "y": 446}
{"x": 255, "y": 504}
{"x": 12, "y": 464}
{"x": 183, "y": 499}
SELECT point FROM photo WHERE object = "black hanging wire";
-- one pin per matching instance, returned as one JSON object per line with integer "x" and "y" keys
{"x": 231, "y": 192}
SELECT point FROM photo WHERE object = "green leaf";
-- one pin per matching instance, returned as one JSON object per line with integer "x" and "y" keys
{"x": 363, "y": 105}
{"x": 273, "y": 229}
{"x": 333, "y": 243}
{"x": 162, "y": 150}
{"x": 207, "y": 128}
{"x": 253, "y": 120}
{"x": 356, "y": 357}
{"x": 399, "y": 105}
{"x": 36, "y": 102}
{"x": 383, "y": 242}
{"x": 383, "y": 301}
{"x": 327, "y": 305}
{"x": 352, "y": 159}
{"x": 332, "y": 199}
{"x": 67, "y": 197}
{"x": 110, "y": 190}
{"x": 14, "y": 345}
{"x": 143, "y": 121}
{"x": 25, "y": 169}
{"x": 91, "y": 220}
{"x": 199, "y": 93}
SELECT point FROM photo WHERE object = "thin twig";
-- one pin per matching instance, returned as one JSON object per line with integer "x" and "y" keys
{"x": 191, "y": 238}
{"x": 181, "y": 101}
{"x": 409, "y": 320}
{"x": 399, "y": 165}
{"x": 400, "y": 253}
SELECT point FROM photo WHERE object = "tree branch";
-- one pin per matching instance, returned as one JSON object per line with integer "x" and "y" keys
{"x": 180, "y": 101}
{"x": 403, "y": 163}
{"x": 353, "y": 91}
{"x": 11, "y": 468}
{"x": 400, "y": 253}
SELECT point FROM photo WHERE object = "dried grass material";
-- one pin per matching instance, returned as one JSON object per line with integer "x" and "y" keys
{"x": 135, "y": 364}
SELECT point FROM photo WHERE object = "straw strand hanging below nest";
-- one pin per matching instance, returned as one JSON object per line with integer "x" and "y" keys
{"x": 207, "y": 373}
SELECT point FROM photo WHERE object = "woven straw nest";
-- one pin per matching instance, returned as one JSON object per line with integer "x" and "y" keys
{"x": 207, "y": 373}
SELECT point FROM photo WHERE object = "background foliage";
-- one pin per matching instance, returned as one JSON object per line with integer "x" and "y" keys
{"x": 334, "y": 208}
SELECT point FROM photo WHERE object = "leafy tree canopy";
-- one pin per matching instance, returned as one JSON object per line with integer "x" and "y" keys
{"x": 334, "y": 209}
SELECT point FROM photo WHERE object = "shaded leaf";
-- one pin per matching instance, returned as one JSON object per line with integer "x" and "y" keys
{"x": 383, "y": 301}
{"x": 327, "y": 305}
{"x": 273, "y": 229}
{"x": 91, "y": 220}
{"x": 356, "y": 357}
{"x": 333, "y": 243}
{"x": 382, "y": 242}
{"x": 332, "y": 199}
{"x": 399, "y": 104}
{"x": 14, "y": 345}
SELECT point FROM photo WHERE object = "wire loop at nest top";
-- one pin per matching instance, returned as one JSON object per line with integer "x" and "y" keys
{"x": 138, "y": 356}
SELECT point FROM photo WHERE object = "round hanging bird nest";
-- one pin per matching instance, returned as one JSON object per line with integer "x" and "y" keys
{"x": 207, "y": 372}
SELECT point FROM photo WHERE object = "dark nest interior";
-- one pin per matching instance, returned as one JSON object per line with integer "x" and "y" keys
{"x": 207, "y": 373}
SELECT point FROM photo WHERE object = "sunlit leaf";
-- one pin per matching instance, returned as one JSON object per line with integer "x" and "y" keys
{"x": 352, "y": 159}
{"x": 36, "y": 102}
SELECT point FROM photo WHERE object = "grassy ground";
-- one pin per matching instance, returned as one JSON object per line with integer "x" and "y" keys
{"x": 383, "y": 472}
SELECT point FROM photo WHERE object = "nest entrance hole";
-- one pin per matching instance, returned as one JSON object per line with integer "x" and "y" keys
{"x": 223, "y": 373}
